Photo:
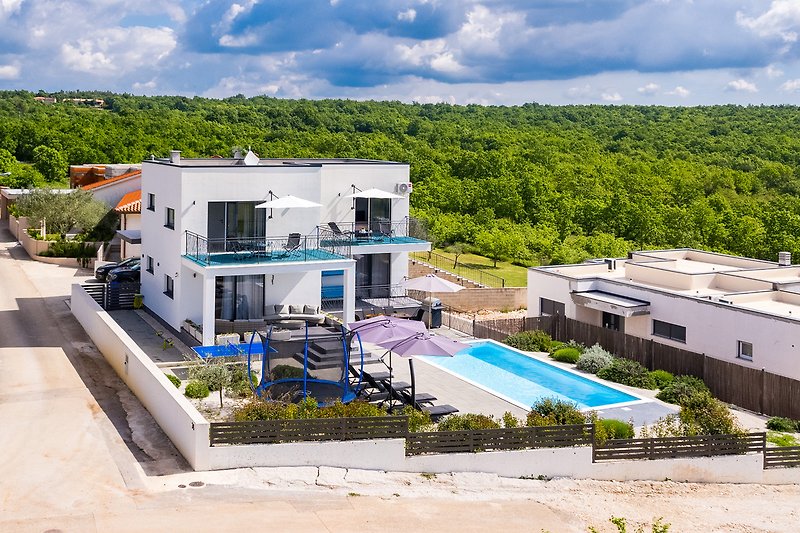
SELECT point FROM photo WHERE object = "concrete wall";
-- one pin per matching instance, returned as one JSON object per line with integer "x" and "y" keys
{"x": 183, "y": 424}
{"x": 112, "y": 193}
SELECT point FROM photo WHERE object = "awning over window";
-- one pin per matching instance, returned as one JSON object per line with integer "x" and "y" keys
{"x": 611, "y": 303}
{"x": 131, "y": 236}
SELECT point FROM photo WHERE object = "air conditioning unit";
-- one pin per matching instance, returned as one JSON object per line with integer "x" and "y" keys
{"x": 404, "y": 188}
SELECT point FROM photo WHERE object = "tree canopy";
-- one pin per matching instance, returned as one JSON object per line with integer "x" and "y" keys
{"x": 531, "y": 183}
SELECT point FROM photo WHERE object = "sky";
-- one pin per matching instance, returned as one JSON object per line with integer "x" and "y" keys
{"x": 490, "y": 52}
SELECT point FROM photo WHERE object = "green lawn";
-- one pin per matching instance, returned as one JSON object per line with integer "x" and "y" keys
{"x": 514, "y": 275}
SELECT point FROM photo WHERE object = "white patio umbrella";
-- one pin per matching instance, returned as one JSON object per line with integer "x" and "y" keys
{"x": 374, "y": 193}
{"x": 287, "y": 202}
{"x": 430, "y": 283}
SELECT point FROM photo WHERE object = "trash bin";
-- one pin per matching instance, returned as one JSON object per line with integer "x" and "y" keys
{"x": 433, "y": 312}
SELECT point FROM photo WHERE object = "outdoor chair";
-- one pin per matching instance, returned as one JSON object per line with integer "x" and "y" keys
{"x": 439, "y": 411}
{"x": 418, "y": 315}
{"x": 419, "y": 398}
{"x": 292, "y": 244}
{"x": 337, "y": 231}
{"x": 240, "y": 251}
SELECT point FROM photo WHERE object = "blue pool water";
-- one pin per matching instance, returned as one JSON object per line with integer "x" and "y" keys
{"x": 229, "y": 350}
{"x": 523, "y": 380}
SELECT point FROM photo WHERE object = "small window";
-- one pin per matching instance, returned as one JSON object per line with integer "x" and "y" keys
{"x": 745, "y": 350}
{"x": 669, "y": 331}
{"x": 169, "y": 286}
{"x": 550, "y": 307}
{"x": 150, "y": 265}
{"x": 612, "y": 321}
{"x": 151, "y": 201}
{"x": 170, "y": 222}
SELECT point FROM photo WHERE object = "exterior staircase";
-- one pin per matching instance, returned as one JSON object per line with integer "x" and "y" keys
{"x": 417, "y": 268}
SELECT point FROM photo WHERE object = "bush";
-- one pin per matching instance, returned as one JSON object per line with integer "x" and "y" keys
{"x": 554, "y": 412}
{"x": 510, "y": 421}
{"x": 681, "y": 389}
{"x": 703, "y": 414}
{"x": 662, "y": 378}
{"x": 197, "y": 389}
{"x": 174, "y": 379}
{"x": 467, "y": 421}
{"x": 617, "y": 429}
{"x": 69, "y": 249}
{"x": 530, "y": 341}
{"x": 239, "y": 386}
{"x": 628, "y": 373}
{"x": 778, "y": 423}
{"x": 566, "y": 355}
{"x": 286, "y": 372}
{"x": 781, "y": 439}
{"x": 593, "y": 359}
{"x": 417, "y": 420}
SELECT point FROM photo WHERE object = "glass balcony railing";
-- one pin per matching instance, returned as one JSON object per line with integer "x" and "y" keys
{"x": 256, "y": 250}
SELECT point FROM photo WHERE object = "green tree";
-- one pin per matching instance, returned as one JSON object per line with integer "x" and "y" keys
{"x": 61, "y": 212}
{"x": 215, "y": 374}
{"x": 50, "y": 162}
{"x": 7, "y": 160}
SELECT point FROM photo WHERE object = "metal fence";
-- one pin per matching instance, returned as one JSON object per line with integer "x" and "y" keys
{"x": 678, "y": 447}
{"x": 111, "y": 296}
{"x": 477, "y": 275}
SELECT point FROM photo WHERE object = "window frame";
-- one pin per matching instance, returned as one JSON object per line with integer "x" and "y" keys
{"x": 149, "y": 262}
{"x": 554, "y": 307}
{"x": 671, "y": 333}
{"x": 169, "y": 286}
{"x": 169, "y": 222}
{"x": 151, "y": 201}
{"x": 740, "y": 352}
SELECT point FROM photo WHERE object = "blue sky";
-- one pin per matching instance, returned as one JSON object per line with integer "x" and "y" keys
{"x": 671, "y": 52}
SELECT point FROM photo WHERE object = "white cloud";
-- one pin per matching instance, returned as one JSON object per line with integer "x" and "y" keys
{"x": 9, "y": 7}
{"x": 791, "y": 86}
{"x": 407, "y": 16}
{"x": 118, "y": 50}
{"x": 579, "y": 92}
{"x": 433, "y": 53}
{"x": 611, "y": 97}
{"x": 239, "y": 41}
{"x": 773, "y": 72}
{"x": 9, "y": 72}
{"x": 649, "y": 89}
{"x": 679, "y": 90}
{"x": 741, "y": 85}
{"x": 782, "y": 19}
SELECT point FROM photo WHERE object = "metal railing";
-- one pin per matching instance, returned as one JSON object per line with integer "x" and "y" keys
{"x": 294, "y": 247}
{"x": 441, "y": 262}
{"x": 379, "y": 231}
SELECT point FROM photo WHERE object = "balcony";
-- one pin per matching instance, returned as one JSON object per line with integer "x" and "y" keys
{"x": 378, "y": 232}
{"x": 263, "y": 250}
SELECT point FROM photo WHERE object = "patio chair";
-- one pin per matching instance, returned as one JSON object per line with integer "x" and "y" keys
{"x": 337, "y": 231}
{"x": 439, "y": 411}
{"x": 292, "y": 244}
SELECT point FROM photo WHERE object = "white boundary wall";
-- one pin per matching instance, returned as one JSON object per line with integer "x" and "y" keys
{"x": 183, "y": 424}
{"x": 189, "y": 431}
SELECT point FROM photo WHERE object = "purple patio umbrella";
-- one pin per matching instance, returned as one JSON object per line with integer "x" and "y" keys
{"x": 382, "y": 328}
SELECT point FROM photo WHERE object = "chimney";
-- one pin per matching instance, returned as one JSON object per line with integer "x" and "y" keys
{"x": 237, "y": 154}
{"x": 785, "y": 259}
{"x": 175, "y": 157}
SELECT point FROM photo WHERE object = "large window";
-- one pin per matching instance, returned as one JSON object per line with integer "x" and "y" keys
{"x": 744, "y": 350}
{"x": 169, "y": 221}
{"x": 229, "y": 222}
{"x": 239, "y": 297}
{"x": 669, "y": 331}
{"x": 372, "y": 212}
{"x": 373, "y": 275}
{"x": 550, "y": 307}
{"x": 169, "y": 286}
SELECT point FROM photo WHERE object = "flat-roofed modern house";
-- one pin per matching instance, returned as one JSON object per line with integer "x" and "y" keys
{"x": 737, "y": 309}
{"x": 211, "y": 251}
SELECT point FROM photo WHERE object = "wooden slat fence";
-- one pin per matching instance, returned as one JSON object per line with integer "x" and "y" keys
{"x": 674, "y": 447}
{"x": 499, "y": 439}
{"x": 305, "y": 430}
{"x": 785, "y": 457}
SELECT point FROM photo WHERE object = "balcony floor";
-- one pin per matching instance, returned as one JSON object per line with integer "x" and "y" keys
{"x": 377, "y": 240}
{"x": 298, "y": 256}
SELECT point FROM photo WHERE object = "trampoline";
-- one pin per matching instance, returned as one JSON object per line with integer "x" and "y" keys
{"x": 296, "y": 369}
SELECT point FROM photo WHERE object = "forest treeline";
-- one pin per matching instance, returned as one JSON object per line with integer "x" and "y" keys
{"x": 531, "y": 183}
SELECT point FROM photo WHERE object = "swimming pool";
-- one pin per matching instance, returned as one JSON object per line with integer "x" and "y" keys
{"x": 522, "y": 380}
{"x": 229, "y": 350}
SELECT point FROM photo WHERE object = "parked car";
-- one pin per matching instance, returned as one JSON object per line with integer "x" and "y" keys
{"x": 101, "y": 272}
{"x": 130, "y": 274}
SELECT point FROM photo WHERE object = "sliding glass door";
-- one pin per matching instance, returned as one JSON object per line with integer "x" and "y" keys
{"x": 370, "y": 212}
{"x": 230, "y": 221}
{"x": 239, "y": 297}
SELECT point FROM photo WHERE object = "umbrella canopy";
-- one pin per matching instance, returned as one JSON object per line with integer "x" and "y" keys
{"x": 287, "y": 202}
{"x": 374, "y": 193}
{"x": 423, "y": 344}
{"x": 383, "y": 328}
{"x": 431, "y": 283}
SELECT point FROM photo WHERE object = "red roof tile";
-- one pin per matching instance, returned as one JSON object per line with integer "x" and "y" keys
{"x": 130, "y": 203}
{"x": 111, "y": 180}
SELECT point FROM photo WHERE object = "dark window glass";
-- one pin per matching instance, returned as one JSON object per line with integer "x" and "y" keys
{"x": 550, "y": 307}
{"x": 170, "y": 222}
{"x": 669, "y": 331}
{"x": 169, "y": 286}
{"x": 151, "y": 201}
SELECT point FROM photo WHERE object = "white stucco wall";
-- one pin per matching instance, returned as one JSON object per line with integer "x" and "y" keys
{"x": 112, "y": 193}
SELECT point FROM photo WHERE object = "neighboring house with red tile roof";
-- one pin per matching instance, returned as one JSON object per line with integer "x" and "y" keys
{"x": 129, "y": 209}
{"x": 111, "y": 191}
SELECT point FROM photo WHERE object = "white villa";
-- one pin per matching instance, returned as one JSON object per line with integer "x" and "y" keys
{"x": 741, "y": 310}
{"x": 209, "y": 253}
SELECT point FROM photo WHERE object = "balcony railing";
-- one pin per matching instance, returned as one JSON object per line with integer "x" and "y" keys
{"x": 379, "y": 231}
{"x": 256, "y": 250}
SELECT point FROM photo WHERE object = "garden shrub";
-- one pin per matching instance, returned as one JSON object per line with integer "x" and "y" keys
{"x": 356, "y": 408}
{"x": 261, "y": 410}
{"x": 681, "y": 389}
{"x": 530, "y": 341}
{"x": 617, "y": 429}
{"x": 174, "y": 379}
{"x": 593, "y": 359}
{"x": 627, "y": 372}
{"x": 554, "y": 412}
{"x": 286, "y": 372}
{"x": 511, "y": 421}
{"x": 781, "y": 439}
{"x": 702, "y": 414}
{"x": 779, "y": 423}
{"x": 239, "y": 387}
{"x": 69, "y": 249}
{"x": 417, "y": 420}
{"x": 566, "y": 355}
{"x": 662, "y": 378}
{"x": 467, "y": 421}
{"x": 196, "y": 389}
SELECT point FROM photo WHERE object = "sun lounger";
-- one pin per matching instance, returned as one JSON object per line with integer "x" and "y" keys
{"x": 438, "y": 411}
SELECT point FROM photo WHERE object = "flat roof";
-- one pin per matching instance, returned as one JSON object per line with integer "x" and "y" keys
{"x": 239, "y": 163}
